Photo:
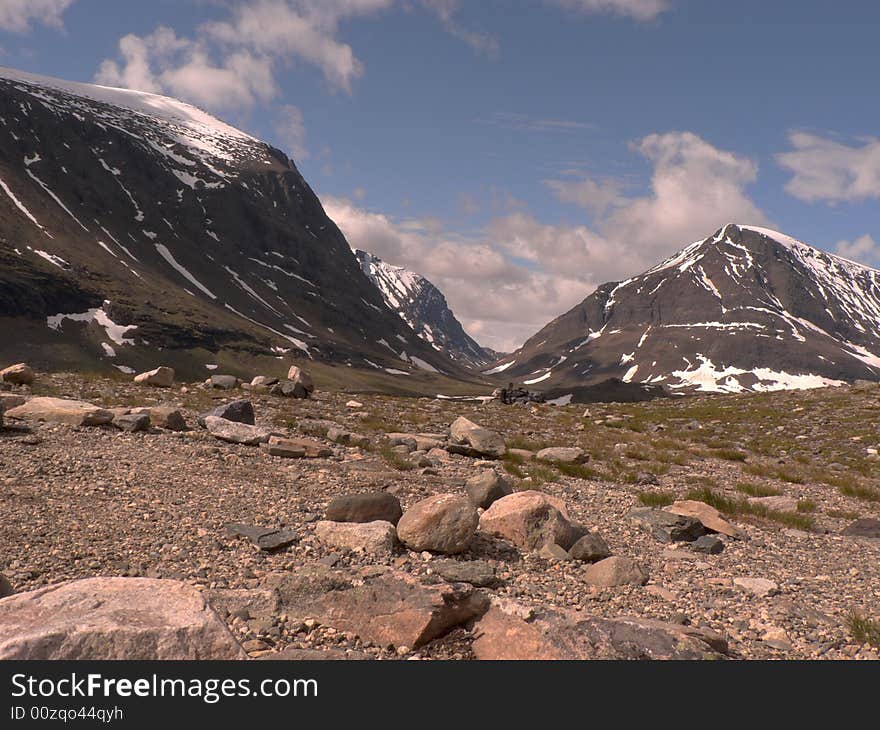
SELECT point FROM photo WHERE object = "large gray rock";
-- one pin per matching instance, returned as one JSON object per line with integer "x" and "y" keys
{"x": 132, "y": 422}
{"x": 61, "y": 410}
{"x": 708, "y": 515}
{"x": 666, "y": 526}
{"x": 161, "y": 377}
{"x": 238, "y": 433}
{"x": 444, "y": 523}
{"x": 531, "y": 520}
{"x": 301, "y": 378}
{"x": 476, "y": 440}
{"x": 565, "y": 635}
{"x": 374, "y": 538}
{"x": 487, "y": 487}
{"x": 365, "y": 508}
{"x": 167, "y": 417}
{"x": 114, "y": 618}
{"x": 19, "y": 374}
{"x": 223, "y": 382}
{"x": 590, "y": 548}
{"x": 240, "y": 411}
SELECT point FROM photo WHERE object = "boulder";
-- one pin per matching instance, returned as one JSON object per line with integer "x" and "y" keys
{"x": 478, "y": 441}
{"x": 616, "y": 571}
{"x": 223, "y": 382}
{"x": 566, "y": 635}
{"x": 666, "y": 526}
{"x": 289, "y": 389}
{"x": 708, "y": 515}
{"x": 263, "y": 381}
{"x": 374, "y": 538}
{"x": 591, "y": 548}
{"x": 168, "y": 417}
{"x": 301, "y": 378}
{"x": 161, "y": 377}
{"x": 391, "y": 608}
{"x": 487, "y": 487}
{"x": 114, "y": 618}
{"x": 61, "y": 410}
{"x": 237, "y": 433}
{"x": 563, "y": 455}
{"x": 863, "y": 527}
{"x": 708, "y": 545}
{"x": 531, "y": 520}
{"x": 297, "y": 448}
{"x": 132, "y": 422}
{"x": 444, "y": 523}
{"x": 365, "y": 508}
{"x": 239, "y": 411}
{"x": 19, "y": 374}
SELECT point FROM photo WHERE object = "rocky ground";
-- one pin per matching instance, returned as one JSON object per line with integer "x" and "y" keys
{"x": 87, "y": 501}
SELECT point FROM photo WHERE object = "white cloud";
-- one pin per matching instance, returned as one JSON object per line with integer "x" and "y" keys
{"x": 18, "y": 16}
{"x": 637, "y": 9}
{"x": 291, "y": 129}
{"x": 446, "y": 10}
{"x": 863, "y": 249}
{"x": 830, "y": 171}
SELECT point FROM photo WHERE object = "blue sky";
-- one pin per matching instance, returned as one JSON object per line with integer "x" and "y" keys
{"x": 518, "y": 152}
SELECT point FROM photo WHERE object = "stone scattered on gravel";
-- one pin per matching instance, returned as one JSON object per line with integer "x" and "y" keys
{"x": 563, "y": 455}
{"x": 666, "y": 526}
{"x": 61, "y": 410}
{"x": 167, "y": 417}
{"x": 365, "y": 508}
{"x": 591, "y": 548}
{"x": 374, "y": 538}
{"x": 708, "y": 544}
{"x": 19, "y": 374}
{"x": 132, "y": 422}
{"x": 759, "y": 587}
{"x": 531, "y": 520}
{"x": 301, "y": 380}
{"x": 263, "y": 381}
{"x": 265, "y": 538}
{"x": 237, "y": 433}
{"x": 476, "y": 572}
{"x": 161, "y": 377}
{"x": 863, "y": 527}
{"x": 478, "y": 441}
{"x": 239, "y": 411}
{"x": 616, "y": 571}
{"x": 114, "y": 618}
{"x": 778, "y": 503}
{"x": 223, "y": 382}
{"x": 298, "y": 448}
{"x": 708, "y": 515}
{"x": 487, "y": 487}
{"x": 444, "y": 523}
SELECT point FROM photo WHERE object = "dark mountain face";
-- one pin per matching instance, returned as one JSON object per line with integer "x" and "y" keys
{"x": 746, "y": 309}
{"x": 132, "y": 223}
{"x": 423, "y": 307}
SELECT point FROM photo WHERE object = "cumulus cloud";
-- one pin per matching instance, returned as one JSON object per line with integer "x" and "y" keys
{"x": 863, "y": 249}
{"x": 638, "y": 9}
{"x": 508, "y": 280}
{"x": 830, "y": 171}
{"x": 19, "y": 16}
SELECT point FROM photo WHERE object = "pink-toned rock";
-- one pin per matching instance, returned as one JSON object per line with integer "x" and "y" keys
{"x": 161, "y": 377}
{"x": 298, "y": 376}
{"x": 444, "y": 523}
{"x": 297, "y": 448}
{"x": 113, "y": 618}
{"x": 708, "y": 515}
{"x": 61, "y": 410}
{"x": 531, "y": 520}
{"x": 616, "y": 571}
{"x": 19, "y": 374}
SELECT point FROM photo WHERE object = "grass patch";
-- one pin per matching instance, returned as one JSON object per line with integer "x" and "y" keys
{"x": 842, "y": 514}
{"x": 860, "y": 491}
{"x": 741, "y": 506}
{"x": 656, "y": 498}
{"x": 757, "y": 490}
{"x": 526, "y": 444}
{"x": 729, "y": 454}
{"x": 863, "y": 629}
{"x": 579, "y": 471}
{"x": 806, "y": 506}
{"x": 781, "y": 473}
{"x": 393, "y": 459}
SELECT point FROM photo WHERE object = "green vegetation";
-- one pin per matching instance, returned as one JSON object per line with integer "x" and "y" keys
{"x": 656, "y": 498}
{"x": 757, "y": 490}
{"x": 863, "y": 629}
{"x": 741, "y": 507}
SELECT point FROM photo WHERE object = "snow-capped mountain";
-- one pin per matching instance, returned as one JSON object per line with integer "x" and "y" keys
{"x": 423, "y": 307}
{"x": 746, "y": 309}
{"x": 132, "y": 222}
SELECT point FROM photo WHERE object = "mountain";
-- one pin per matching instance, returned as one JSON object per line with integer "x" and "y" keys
{"x": 132, "y": 223}
{"x": 423, "y": 307}
{"x": 746, "y": 309}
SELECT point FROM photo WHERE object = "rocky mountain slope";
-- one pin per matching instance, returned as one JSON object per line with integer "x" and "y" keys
{"x": 746, "y": 309}
{"x": 424, "y": 308}
{"x": 132, "y": 223}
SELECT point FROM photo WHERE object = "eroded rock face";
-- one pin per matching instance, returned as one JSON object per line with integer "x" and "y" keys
{"x": 365, "y": 508}
{"x": 374, "y": 538}
{"x": 114, "y": 618}
{"x": 555, "y": 634}
{"x": 161, "y": 377}
{"x": 531, "y": 520}
{"x": 61, "y": 410}
{"x": 444, "y": 523}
